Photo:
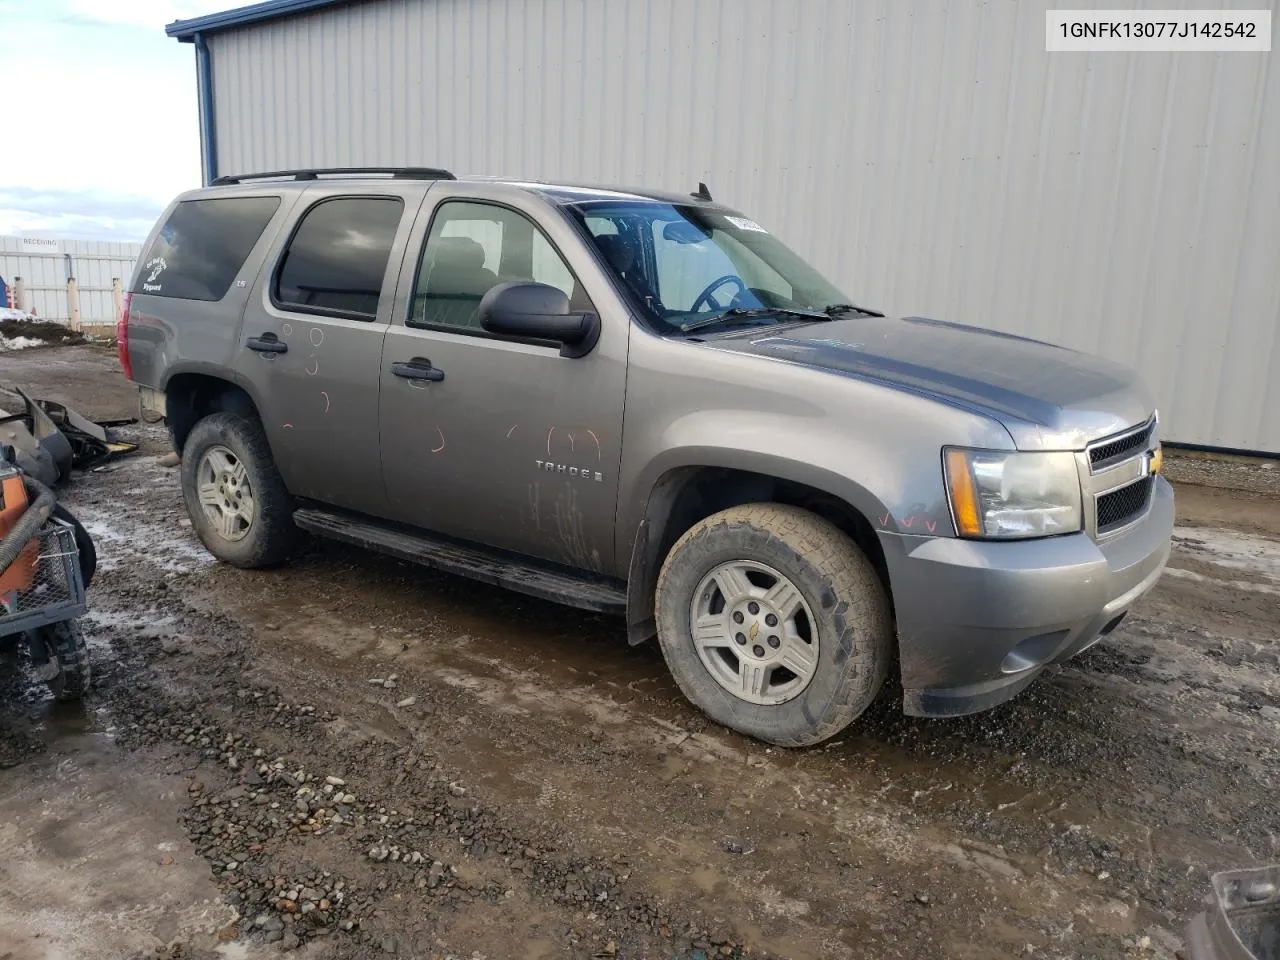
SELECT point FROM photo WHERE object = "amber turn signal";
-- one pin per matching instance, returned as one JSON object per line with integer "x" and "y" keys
{"x": 964, "y": 495}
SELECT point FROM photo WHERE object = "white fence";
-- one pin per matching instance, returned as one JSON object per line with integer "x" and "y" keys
{"x": 76, "y": 282}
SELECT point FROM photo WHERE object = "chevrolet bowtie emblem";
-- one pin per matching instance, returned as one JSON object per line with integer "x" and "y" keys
{"x": 755, "y": 629}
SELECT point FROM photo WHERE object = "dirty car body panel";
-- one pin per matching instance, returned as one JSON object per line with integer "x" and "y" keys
{"x": 514, "y": 447}
{"x": 416, "y": 414}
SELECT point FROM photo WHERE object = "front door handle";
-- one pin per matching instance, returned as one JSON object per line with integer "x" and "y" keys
{"x": 418, "y": 369}
{"x": 267, "y": 343}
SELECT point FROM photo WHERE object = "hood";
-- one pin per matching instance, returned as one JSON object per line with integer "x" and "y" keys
{"x": 1047, "y": 397}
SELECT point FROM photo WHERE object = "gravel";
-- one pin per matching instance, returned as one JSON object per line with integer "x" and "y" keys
{"x": 551, "y": 789}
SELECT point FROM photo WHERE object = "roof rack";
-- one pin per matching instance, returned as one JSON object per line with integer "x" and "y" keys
{"x": 396, "y": 173}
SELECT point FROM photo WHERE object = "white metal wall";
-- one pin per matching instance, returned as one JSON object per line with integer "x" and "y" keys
{"x": 927, "y": 155}
{"x": 94, "y": 264}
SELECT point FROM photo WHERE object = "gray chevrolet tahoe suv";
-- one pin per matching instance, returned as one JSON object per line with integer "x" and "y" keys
{"x": 645, "y": 403}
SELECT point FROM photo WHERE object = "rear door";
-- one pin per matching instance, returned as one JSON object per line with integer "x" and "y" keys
{"x": 311, "y": 341}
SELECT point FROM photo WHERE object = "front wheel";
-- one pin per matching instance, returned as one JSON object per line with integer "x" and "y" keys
{"x": 774, "y": 623}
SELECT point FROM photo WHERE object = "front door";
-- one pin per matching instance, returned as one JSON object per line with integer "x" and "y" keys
{"x": 316, "y": 330}
{"x": 488, "y": 439}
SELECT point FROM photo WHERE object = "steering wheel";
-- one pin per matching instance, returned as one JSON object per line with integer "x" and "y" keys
{"x": 712, "y": 302}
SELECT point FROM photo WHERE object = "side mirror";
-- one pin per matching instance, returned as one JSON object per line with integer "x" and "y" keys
{"x": 521, "y": 308}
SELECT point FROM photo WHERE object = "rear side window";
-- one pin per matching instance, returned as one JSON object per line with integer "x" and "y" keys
{"x": 338, "y": 256}
{"x": 202, "y": 246}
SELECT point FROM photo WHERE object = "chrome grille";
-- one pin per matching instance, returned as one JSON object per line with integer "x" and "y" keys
{"x": 1121, "y": 448}
{"x": 1116, "y": 478}
{"x": 1118, "y": 507}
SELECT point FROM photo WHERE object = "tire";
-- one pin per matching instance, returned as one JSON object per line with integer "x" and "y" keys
{"x": 839, "y": 604}
{"x": 65, "y": 647}
{"x": 229, "y": 446}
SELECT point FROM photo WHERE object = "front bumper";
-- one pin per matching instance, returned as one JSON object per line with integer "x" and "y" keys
{"x": 979, "y": 620}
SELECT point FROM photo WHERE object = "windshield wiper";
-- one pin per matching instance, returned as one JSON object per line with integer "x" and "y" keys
{"x": 835, "y": 308}
{"x": 746, "y": 313}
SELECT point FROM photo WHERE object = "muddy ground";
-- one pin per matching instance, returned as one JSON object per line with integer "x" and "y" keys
{"x": 521, "y": 783}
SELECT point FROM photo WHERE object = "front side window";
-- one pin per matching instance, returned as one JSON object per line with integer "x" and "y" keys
{"x": 202, "y": 246}
{"x": 337, "y": 259}
{"x": 473, "y": 247}
{"x": 688, "y": 263}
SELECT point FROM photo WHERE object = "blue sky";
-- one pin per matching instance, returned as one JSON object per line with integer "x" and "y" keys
{"x": 99, "y": 121}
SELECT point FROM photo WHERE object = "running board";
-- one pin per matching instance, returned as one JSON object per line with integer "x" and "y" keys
{"x": 479, "y": 563}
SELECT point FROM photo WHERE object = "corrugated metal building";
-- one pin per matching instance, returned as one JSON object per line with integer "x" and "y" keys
{"x": 928, "y": 156}
{"x": 45, "y": 265}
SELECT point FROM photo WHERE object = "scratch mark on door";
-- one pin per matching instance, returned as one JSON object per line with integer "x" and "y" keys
{"x": 316, "y": 336}
{"x": 325, "y": 394}
{"x": 599, "y": 452}
{"x": 441, "y": 447}
{"x": 535, "y": 513}
{"x": 310, "y": 371}
{"x": 571, "y": 529}
{"x": 571, "y": 450}
{"x": 512, "y": 430}
{"x": 549, "y": 433}
{"x": 286, "y": 329}
{"x": 286, "y": 426}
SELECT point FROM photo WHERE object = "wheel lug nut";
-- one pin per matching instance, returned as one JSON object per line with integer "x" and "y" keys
{"x": 771, "y": 620}
{"x": 737, "y": 617}
{"x": 758, "y": 650}
{"x": 753, "y": 607}
{"x": 773, "y": 642}
{"x": 741, "y": 639}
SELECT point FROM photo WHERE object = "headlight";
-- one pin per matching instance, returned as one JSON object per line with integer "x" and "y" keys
{"x": 1011, "y": 495}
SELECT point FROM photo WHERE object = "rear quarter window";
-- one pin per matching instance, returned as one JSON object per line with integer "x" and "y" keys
{"x": 337, "y": 259}
{"x": 202, "y": 246}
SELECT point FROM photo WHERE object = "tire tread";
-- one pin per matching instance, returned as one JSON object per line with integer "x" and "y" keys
{"x": 68, "y": 648}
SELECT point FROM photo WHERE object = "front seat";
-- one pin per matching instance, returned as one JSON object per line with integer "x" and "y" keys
{"x": 457, "y": 280}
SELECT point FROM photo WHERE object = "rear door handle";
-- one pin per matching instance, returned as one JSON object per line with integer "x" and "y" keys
{"x": 267, "y": 343}
{"x": 418, "y": 369}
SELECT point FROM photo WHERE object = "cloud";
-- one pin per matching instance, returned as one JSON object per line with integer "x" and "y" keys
{"x": 89, "y": 203}
{"x": 77, "y": 214}
{"x": 154, "y": 14}
{"x": 108, "y": 133}
{"x": 70, "y": 226}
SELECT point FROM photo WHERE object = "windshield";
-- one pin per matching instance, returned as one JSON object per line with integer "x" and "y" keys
{"x": 690, "y": 263}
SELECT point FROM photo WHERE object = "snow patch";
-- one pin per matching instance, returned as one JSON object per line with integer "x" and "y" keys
{"x": 1246, "y": 585}
{"x": 142, "y": 542}
{"x": 20, "y": 343}
{"x": 1231, "y": 549}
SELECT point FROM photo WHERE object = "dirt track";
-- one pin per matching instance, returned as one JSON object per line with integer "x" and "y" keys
{"x": 529, "y": 786}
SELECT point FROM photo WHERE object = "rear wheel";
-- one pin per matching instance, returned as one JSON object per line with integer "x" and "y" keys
{"x": 62, "y": 658}
{"x": 774, "y": 623}
{"x": 237, "y": 502}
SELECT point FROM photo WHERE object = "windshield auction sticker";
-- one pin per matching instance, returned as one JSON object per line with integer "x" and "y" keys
{"x": 1152, "y": 31}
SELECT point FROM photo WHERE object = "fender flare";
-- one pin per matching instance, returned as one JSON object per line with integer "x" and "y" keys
{"x": 647, "y": 550}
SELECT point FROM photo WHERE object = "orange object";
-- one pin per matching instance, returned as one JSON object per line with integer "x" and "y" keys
{"x": 13, "y": 504}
